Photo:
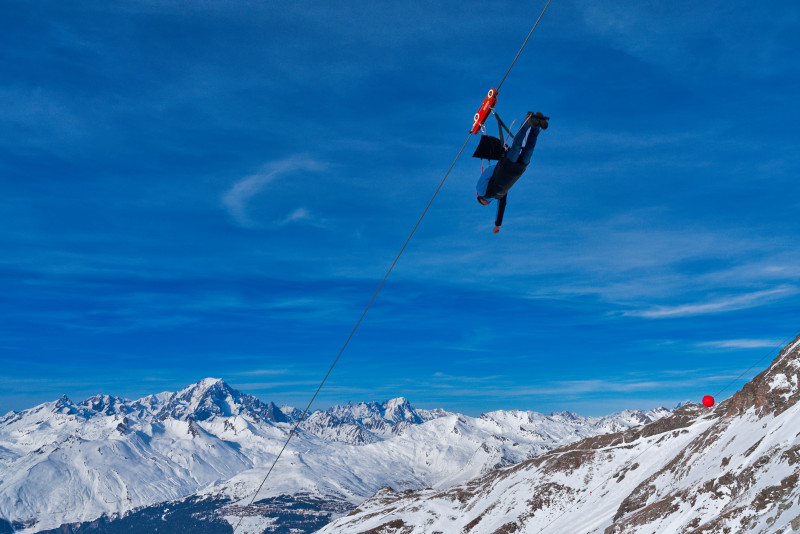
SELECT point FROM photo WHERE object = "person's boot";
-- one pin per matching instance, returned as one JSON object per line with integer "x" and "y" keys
{"x": 537, "y": 120}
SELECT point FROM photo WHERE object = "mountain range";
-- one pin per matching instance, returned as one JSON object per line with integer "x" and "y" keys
{"x": 107, "y": 463}
{"x": 191, "y": 461}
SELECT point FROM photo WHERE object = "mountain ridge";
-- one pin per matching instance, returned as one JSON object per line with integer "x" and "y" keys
{"x": 65, "y": 462}
{"x": 733, "y": 468}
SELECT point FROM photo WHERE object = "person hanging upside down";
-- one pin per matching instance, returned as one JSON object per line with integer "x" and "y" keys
{"x": 496, "y": 180}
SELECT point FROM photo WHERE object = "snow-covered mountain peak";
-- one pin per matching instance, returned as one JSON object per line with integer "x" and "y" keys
{"x": 367, "y": 422}
{"x": 210, "y": 382}
{"x": 391, "y": 411}
{"x": 213, "y": 397}
{"x": 201, "y": 401}
{"x": 290, "y": 412}
{"x": 636, "y": 417}
{"x": 564, "y": 415}
{"x": 106, "y": 405}
{"x": 63, "y": 405}
{"x": 208, "y": 387}
{"x": 399, "y": 409}
{"x": 662, "y": 411}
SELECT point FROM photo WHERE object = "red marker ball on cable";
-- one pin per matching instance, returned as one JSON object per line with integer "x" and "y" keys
{"x": 708, "y": 401}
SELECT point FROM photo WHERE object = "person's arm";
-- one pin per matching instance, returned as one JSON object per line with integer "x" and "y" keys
{"x": 501, "y": 209}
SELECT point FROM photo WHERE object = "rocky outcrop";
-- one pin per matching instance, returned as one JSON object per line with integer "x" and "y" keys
{"x": 733, "y": 469}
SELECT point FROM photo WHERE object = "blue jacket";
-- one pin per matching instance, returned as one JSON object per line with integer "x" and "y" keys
{"x": 495, "y": 182}
{"x": 483, "y": 181}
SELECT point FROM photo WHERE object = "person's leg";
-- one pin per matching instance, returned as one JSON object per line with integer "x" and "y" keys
{"x": 523, "y": 144}
{"x": 528, "y": 145}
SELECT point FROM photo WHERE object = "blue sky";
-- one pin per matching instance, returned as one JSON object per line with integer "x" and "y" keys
{"x": 194, "y": 189}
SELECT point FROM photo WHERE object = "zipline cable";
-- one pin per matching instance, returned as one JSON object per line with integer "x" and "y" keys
{"x": 358, "y": 323}
{"x": 523, "y": 44}
{"x": 764, "y": 357}
{"x": 380, "y": 286}
{"x": 629, "y": 462}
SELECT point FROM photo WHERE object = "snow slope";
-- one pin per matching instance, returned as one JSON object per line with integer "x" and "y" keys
{"x": 733, "y": 469}
{"x": 62, "y": 462}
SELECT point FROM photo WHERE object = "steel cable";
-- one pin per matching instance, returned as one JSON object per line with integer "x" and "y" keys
{"x": 358, "y": 323}
{"x": 380, "y": 286}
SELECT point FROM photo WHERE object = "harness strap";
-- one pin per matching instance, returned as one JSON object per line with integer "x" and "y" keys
{"x": 502, "y": 126}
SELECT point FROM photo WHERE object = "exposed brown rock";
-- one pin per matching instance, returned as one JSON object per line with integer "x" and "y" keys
{"x": 792, "y": 456}
{"x": 396, "y": 526}
{"x": 507, "y": 528}
{"x": 472, "y": 524}
{"x": 650, "y": 513}
{"x": 544, "y": 495}
{"x": 758, "y": 394}
{"x": 778, "y": 493}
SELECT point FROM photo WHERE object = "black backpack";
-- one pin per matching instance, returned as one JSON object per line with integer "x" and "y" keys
{"x": 490, "y": 148}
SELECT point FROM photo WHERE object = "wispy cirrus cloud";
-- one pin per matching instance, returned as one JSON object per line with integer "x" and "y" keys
{"x": 298, "y": 215}
{"x": 236, "y": 199}
{"x": 303, "y": 215}
{"x": 501, "y": 386}
{"x": 742, "y": 344}
{"x": 738, "y": 302}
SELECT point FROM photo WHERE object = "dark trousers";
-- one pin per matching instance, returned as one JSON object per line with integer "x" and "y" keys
{"x": 522, "y": 147}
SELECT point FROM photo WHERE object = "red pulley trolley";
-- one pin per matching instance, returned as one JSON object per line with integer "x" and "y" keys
{"x": 483, "y": 112}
